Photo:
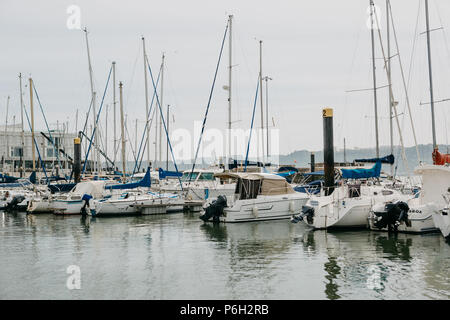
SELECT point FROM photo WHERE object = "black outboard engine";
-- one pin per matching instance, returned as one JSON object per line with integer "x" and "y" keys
{"x": 392, "y": 216}
{"x": 14, "y": 203}
{"x": 215, "y": 209}
{"x": 86, "y": 198}
{"x": 308, "y": 212}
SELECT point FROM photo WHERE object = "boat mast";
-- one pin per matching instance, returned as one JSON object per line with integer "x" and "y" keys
{"x": 122, "y": 131}
{"x": 22, "y": 134}
{"x": 391, "y": 124}
{"x": 114, "y": 107}
{"x": 261, "y": 100}
{"x": 230, "y": 60}
{"x": 167, "y": 146}
{"x": 430, "y": 74}
{"x": 93, "y": 94}
{"x": 6, "y": 134}
{"x": 374, "y": 77}
{"x": 161, "y": 105}
{"x": 267, "y": 78}
{"x": 147, "y": 115}
{"x": 33, "y": 146}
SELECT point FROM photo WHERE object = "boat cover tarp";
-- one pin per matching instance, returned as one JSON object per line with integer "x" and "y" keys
{"x": 10, "y": 179}
{"x": 163, "y": 174}
{"x": 145, "y": 182}
{"x": 287, "y": 168}
{"x": 313, "y": 187}
{"x": 440, "y": 159}
{"x": 373, "y": 172}
{"x": 275, "y": 187}
{"x": 388, "y": 159}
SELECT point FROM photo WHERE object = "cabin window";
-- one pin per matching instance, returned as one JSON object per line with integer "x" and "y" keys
{"x": 206, "y": 176}
{"x": 185, "y": 176}
{"x": 354, "y": 191}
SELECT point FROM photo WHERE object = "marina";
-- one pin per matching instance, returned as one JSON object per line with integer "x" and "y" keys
{"x": 106, "y": 196}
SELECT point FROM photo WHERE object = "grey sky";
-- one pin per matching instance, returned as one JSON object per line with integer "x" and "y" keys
{"x": 313, "y": 50}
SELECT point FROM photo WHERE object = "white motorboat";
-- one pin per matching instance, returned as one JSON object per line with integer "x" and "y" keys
{"x": 202, "y": 184}
{"x": 127, "y": 203}
{"x": 417, "y": 215}
{"x": 257, "y": 196}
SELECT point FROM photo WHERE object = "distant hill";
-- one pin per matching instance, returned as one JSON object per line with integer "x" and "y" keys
{"x": 301, "y": 158}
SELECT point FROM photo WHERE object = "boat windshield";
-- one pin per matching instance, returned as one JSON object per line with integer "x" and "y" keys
{"x": 206, "y": 176}
{"x": 185, "y": 176}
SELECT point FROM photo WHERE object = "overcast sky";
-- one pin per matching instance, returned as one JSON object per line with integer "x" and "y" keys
{"x": 315, "y": 51}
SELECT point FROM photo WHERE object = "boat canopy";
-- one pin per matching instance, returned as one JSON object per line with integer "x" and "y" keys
{"x": 390, "y": 159}
{"x": 94, "y": 188}
{"x": 265, "y": 183}
{"x": 373, "y": 172}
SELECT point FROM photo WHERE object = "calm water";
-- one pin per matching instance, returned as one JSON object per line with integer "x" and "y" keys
{"x": 177, "y": 256}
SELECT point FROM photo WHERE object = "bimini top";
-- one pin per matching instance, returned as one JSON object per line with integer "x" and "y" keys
{"x": 268, "y": 183}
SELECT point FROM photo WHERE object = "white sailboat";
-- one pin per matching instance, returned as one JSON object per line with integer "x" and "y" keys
{"x": 417, "y": 215}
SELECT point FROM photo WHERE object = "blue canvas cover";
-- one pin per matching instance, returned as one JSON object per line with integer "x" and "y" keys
{"x": 145, "y": 182}
{"x": 373, "y": 172}
{"x": 388, "y": 159}
{"x": 163, "y": 174}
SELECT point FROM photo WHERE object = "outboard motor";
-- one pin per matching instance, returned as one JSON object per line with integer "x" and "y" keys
{"x": 215, "y": 209}
{"x": 308, "y": 212}
{"x": 392, "y": 216}
{"x": 86, "y": 198}
{"x": 13, "y": 204}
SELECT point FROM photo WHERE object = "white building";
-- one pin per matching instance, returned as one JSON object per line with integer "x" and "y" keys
{"x": 12, "y": 152}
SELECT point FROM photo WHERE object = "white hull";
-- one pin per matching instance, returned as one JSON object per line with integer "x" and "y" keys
{"x": 420, "y": 220}
{"x": 442, "y": 222}
{"x": 339, "y": 211}
{"x": 264, "y": 208}
{"x": 67, "y": 206}
{"x": 40, "y": 206}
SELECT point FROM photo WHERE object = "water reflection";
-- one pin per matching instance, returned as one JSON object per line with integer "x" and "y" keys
{"x": 394, "y": 247}
{"x": 178, "y": 256}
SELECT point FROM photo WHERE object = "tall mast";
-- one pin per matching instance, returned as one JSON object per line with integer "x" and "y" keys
{"x": 22, "y": 134}
{"x": 167, "y": 146}
{"x": 122, "y": 132}
{"x": 147, "y": 115}
{"x": 267, "y": 78}
{"x": 106, "y": 133}
{"x": 6, "y": 134}
{"x": 391, "y": 124}
{"x": 230, "y": 66}
{"x": 374, "y": 78}
{"x": 114, "y": 106}
{"x": 430, "y": 74}
{"x": 161, "y": 105}
{"x": 93, "y": 95}
{"x": 33, "y": 146}
{"x": 261, "y": 100}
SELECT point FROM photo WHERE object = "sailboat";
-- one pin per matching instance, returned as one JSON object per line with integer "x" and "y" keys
{"x": 428, "y": 212}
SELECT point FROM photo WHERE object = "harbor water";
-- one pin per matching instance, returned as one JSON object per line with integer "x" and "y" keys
{"x": 177, "y": 256}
